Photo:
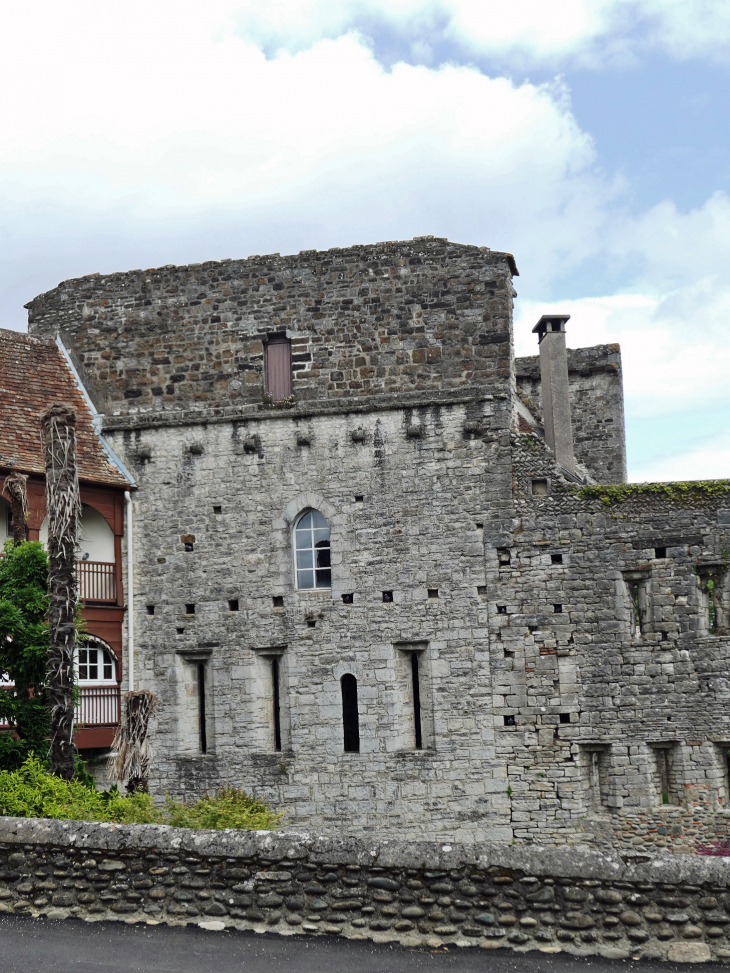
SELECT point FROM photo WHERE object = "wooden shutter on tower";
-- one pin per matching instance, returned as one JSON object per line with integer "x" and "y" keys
{"x": 278, "y": 368}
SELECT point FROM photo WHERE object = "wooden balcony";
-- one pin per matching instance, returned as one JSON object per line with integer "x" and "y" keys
{"x": 97, "y": 715}
{"x": 97, "y": 581}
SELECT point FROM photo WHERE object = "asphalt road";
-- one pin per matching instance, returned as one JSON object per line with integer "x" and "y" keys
{"x": 73, "y": 946}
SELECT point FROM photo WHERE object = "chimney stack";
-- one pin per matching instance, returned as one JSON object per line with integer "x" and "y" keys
{"x": 554, "y": 384}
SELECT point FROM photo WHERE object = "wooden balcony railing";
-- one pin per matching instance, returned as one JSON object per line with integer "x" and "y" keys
{"x": 99, "y": 706}
{"x": 97, "y": 581}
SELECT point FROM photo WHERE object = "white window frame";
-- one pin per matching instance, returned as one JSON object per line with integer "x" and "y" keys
{"x": 312, "y": 548}
{"x": 92, "y": 642}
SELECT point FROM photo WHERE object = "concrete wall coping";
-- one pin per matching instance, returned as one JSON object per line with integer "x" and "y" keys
{"x": 276, "y": 846}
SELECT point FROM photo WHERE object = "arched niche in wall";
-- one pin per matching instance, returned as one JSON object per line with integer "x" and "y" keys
{"x": 97, "y": 539}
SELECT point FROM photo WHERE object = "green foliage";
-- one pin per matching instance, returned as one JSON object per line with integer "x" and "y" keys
{"x": 228, "y": 808}
{"x": 23, "y": 651}
{"x": 32, "y": 792}
{"x": 691, "y": 491}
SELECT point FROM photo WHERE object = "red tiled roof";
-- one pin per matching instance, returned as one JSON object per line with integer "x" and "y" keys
{"x": 34, "y": 374}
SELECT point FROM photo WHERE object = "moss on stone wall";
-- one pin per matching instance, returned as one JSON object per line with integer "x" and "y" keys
{"x": 691, "y": 491}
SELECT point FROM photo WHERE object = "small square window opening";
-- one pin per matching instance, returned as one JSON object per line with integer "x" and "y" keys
{"x": 311, "y": 623}
{"x": 348, "y": 598}
{"x": 539, "y": 488}
{"x": 278, "y": 601}
{"x": 217, "y": 509}
{"x": 480, "y": 526}
{"x": 556, "y": 558}
{"x": 190, "y": 609}
{"x": 660, "y": 552}
{"x": 189, "y": 547}
{"x": 501, "y": 609}
{"x": 433, "y": 594}
{"x": 233, "y": 605}
{"x": 359, "y": 498}
{"x": 388, "y": 597}
{"x": 509, "y": 721}
{"x": 180, "y": 631}
{"x": 481, "y": 590}
{"x": 558, "y": 609}
{"x": 150, "y": 609}
{"x": 565, "y": 717}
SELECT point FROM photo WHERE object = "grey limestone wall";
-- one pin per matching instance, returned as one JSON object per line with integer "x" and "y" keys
{"x": 407, "y": 514}
{"x": 596, "y": 405}
{"x": 416, "y": 893}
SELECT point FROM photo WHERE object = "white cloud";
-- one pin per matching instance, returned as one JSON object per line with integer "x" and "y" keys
{"x": 522, "y": 33}
{"x": 158, "y": 135}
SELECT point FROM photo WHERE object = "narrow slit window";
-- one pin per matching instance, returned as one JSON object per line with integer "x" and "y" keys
{"x": 637, "y": 590}
{"x": 416, "y": 701}
{"x": 312, "y": 551}
{"x": 275, "y": 700}
{"x": 350, "y": 716}
{"x": 201, "y": 708}
{"x": 278, "y": 367}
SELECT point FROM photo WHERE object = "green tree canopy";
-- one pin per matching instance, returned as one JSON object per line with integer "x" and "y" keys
{"x": 23, "y": 653}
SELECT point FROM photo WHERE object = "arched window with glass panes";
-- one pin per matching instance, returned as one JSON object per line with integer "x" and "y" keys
{"x": 95, "y": 663}
{"x": 312, "y": 551}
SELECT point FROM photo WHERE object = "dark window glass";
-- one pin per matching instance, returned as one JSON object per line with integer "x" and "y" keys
{"x": 350, "y": 717}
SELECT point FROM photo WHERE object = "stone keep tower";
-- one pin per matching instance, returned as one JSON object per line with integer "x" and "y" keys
{"x": 365, "y": 586}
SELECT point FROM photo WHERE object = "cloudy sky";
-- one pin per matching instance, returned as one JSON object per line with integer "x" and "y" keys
{"x": 588, "y": 137}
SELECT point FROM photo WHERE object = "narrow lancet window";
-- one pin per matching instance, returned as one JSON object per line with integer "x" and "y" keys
{"x": 350, "y": 717}
{"x": 312, "y": 551}
{"x": 416, "y": 701}
{"x": 201, "y": 707}
{"x": 277, "y": 708}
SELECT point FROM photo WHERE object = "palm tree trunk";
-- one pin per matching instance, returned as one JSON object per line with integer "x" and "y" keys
{"x": 58, "y": 424}
{"x": 16, "y": 491}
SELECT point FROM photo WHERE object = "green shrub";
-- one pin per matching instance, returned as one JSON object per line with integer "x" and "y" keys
{"x": 31, "y": 792}
{"x": 228, "y": 808}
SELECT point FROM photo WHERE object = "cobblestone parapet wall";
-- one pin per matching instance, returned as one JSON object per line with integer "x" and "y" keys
{"x": 583, "y": 902}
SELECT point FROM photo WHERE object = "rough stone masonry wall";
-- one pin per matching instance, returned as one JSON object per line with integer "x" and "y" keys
{"x": 612, "y": 735}
{"x": 596, "y": 406}
{"x": 407, "y": 514}
{"x": 493, "y": 896}
{"x": 364, "y": 321}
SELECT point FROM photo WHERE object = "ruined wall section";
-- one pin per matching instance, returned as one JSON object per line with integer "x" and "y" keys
{"x": 409, "y": 495}
{"x": 610, "y": 716}
{"x": 596, "y": 405}
{"x": 364, "y": 322}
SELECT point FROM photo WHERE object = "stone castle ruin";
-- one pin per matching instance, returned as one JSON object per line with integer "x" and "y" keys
{"x": 390, "y": 577}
